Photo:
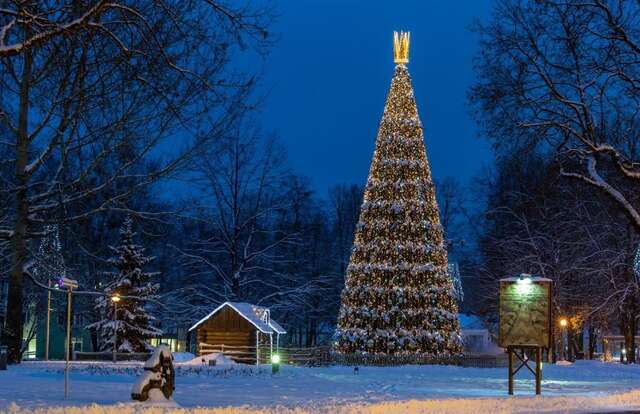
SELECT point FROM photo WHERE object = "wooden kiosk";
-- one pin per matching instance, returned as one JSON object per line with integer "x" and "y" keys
{"x": 525, "y": 323}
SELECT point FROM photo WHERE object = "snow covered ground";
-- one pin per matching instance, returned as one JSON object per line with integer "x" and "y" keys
{"x": 583, "y": 387}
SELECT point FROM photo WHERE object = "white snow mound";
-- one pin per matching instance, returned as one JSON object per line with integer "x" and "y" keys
{"x": 183, "y": 356}
{"x": 564, "y": 363}
{"x": 220, "y": 358}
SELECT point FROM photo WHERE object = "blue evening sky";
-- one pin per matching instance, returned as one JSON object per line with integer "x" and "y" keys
{"x": 330, "y": 71}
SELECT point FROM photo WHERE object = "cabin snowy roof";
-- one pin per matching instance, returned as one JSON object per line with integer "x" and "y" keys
{"x": 258, "y": 316}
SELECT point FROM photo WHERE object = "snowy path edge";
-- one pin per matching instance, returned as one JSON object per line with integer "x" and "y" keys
{"x": 541, "y": 404}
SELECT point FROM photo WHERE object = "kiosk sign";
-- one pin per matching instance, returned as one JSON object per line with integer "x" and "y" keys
{"x": 525, "y": 312}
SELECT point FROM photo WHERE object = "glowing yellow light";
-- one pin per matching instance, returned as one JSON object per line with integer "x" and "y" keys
{"x": 115, "y": 298}
{"x": 401, "y": 47}
{"x": 275, "y": 359}
{"x": 564, "y": 322}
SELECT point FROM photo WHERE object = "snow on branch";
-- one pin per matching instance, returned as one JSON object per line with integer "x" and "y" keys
{"x": 58, "y": 28}
{"x": 596, "y": 180}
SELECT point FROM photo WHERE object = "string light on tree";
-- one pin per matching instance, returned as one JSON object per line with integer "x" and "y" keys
{"x": 398, "y": 296}
{"x": 50, "y": 264}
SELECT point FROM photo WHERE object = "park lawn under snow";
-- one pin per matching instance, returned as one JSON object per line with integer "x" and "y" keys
{"x": 584, "y": 386}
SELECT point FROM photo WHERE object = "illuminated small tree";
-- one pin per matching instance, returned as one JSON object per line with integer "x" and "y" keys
{"x": 398, "y": 296}
{"x": 49, "y": 261}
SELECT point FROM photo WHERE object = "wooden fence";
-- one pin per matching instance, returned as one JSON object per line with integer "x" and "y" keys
{"x": 240, "y": 354}
{"x": 467, "y": 360}
{"x": 108, "y": 356}
{"x": 247, "y": 354}
{"x": 320, "y": 356}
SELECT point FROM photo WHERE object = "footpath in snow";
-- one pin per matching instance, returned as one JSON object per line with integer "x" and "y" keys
{"x": 586, "y": 386}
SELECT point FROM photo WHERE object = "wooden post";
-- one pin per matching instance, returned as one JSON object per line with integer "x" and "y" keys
{"x": 115, "y": 330}
{"x": 538, "y": 370}
{"x": 257, "y": 347}
{"x": 510, "y": 353}
{"x": 67, "y": 344}
{"x": 46, "y": 346}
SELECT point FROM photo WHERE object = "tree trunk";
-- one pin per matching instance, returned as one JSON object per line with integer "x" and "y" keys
{"x": 630, "y": 339}
{"x": 592, "y": 341}
{"x": 623, "y": 330}
{"x": 12, "y": 336}
{"x": 570, "y": 348}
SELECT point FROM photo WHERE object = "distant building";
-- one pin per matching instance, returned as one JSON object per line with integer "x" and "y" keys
{"x": 244, "y": 332}
{"x": 173, "y": 336}
{"x": 475, "y": 335}
{"x": 612, "y": 348}
{"x": 35, "y": 332}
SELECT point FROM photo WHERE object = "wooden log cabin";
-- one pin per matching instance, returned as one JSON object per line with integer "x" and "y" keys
{"x": 242, "y": 331}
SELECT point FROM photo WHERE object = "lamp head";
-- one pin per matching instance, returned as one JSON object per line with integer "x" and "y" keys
{"x": 524, "y": 285}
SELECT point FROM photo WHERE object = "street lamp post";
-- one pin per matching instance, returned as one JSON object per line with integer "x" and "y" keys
{"x": 563, "y": 325}
{"x": 115, "y": 299}
{"x": 69, "y": 284}
{"x": 46, "y": 346}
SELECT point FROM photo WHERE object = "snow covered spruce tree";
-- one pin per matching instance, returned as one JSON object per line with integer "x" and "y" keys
{"x": 126, "y": 322}
{"x": 398, "y": 296}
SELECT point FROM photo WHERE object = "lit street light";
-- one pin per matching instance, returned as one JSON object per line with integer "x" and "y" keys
{"x": 69, "y": 285}
{"x": 563, "y": 324}
{"x": 115, "y": 299}
{"x": 275, "y": 364}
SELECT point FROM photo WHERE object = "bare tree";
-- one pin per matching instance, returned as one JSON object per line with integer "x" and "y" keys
{"x": 538, "y": 224}
{"x": 453, "y": 213}
{"x": 564, "y": 77}
{"x": 236, "y": 251}
{"x": 345, "y": 204}
{"x": 100, "y": 99}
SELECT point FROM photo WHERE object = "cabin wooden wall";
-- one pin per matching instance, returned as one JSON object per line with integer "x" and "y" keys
{"x": 227, "y": 328}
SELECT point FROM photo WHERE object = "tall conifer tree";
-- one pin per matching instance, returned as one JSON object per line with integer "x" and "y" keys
{"x": 127, "y": 323}
{"x": 398, "y": 296}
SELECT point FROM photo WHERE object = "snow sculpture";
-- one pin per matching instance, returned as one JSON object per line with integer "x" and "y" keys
{"x": 158, "y": 374}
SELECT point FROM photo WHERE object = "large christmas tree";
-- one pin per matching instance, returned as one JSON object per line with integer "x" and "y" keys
{"x": 398, "y": 296}
{"x": 127, "y": 323}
